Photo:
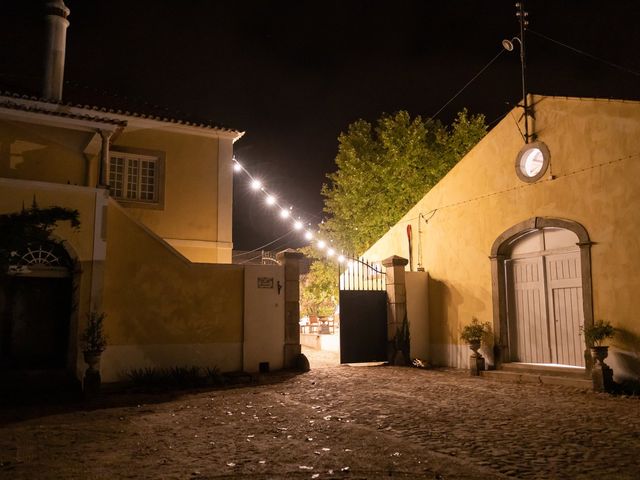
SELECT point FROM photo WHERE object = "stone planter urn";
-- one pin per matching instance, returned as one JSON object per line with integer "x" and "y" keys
{"x": 599, "y": 353}
{"x": 476, "y": 360}
{"x": 92, "y": 378}
{"x": 474, "y": 345}
{"x": 601, "y": 373}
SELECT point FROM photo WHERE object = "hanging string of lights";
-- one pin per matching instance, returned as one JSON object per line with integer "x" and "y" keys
{"x": 287, "y": 213}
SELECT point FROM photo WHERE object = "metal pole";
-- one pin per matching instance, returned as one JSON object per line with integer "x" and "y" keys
{"x": 522, "y": 16}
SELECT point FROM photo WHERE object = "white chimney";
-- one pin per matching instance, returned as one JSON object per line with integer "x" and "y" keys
{"x": 57, "y": 23}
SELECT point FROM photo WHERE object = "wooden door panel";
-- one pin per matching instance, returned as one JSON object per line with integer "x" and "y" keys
{"x": 564, "y": 283}
{"x": 530, "y": 326}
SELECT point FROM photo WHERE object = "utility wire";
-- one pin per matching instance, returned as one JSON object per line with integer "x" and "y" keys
{"x": 469, "y": 83}
{"x": 581, "y": 52}
{"x": 265, "y": 245}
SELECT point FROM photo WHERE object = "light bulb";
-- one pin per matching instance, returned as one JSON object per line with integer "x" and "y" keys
{"x": 270, "y": 200}
{"x": 308, "y": 235}
{"x": 341, "y": 258}
{"x": 256, "y": 184}
{"x": 330, "y": 252}
{"x": 297, "y": 225}
{"x": 237, "y": 167}
{"x": 321, "y": 244}
{"x": 284, "y": 213}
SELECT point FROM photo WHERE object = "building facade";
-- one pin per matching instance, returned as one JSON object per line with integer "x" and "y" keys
{"x": 537, "y": 239}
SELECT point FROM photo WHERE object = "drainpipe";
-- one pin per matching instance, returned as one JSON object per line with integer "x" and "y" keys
{"x": 104, "y": 157}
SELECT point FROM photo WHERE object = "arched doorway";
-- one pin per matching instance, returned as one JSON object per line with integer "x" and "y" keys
{"x": 36, "y": 309}
{"x": 542, "y": 292}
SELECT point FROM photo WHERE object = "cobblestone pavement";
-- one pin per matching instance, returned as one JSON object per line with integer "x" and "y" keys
{"x": 334, "y": 422}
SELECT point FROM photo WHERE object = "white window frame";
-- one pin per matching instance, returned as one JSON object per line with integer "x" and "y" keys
{"x": 130, "y": 155}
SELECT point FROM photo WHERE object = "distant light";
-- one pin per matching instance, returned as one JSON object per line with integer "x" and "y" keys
{"x": 297, "y": 225}
{"x": 237, "y": 167}
{"x": 308, "y": 235}
{"x": 321, "y": 244}
{"x": 270, "y": 200}
{"x": 284, "y": 213}
{"x": 330, "y": 252}
{"x": 256, "y": 184}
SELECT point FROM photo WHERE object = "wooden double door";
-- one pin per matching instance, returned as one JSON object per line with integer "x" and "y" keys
{"x": 546, "y": 308}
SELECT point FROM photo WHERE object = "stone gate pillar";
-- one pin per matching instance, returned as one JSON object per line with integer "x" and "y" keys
{"x": 396, "y": 307}
{"x": 291, "y": 263}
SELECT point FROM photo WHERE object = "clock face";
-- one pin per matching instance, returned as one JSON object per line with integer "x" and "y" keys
{"x": 532, "y": 162}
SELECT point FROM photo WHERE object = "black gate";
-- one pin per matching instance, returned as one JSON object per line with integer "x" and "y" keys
{"x": 363, "y": 313}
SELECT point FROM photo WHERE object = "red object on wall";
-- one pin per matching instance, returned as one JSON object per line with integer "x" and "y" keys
{"x": 410, "y": 238}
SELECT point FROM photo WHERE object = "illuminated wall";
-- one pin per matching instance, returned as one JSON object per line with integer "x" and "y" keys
{"x": 189, "y": 217}
{"x": 595, "y": 168}
{"x": 42, "y": 153}
{"x": 164, "y": 310}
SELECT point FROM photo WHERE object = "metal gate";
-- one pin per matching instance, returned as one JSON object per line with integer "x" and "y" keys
{"x": 363, "y": 313}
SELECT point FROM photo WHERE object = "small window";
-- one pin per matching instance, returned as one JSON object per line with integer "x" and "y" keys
{"x": 135, "y": 177}
{"x": 532, "y": 162}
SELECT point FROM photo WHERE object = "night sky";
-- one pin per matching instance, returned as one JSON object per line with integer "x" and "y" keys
{"x": 294, "y": 74}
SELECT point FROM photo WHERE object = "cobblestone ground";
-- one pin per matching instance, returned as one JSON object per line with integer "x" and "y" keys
{"x": 333, "y": 422}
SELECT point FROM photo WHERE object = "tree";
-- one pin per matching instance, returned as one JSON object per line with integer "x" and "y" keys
{"x": 319, "y": 289}
{"x": 384, "y": 171}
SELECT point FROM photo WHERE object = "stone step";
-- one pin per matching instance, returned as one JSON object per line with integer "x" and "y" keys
{"x": 523, "y": 377}
{"x": 548, "y": 370}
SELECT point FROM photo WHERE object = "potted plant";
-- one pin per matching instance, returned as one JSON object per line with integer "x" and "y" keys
{"x": 596, "y": 334}
{"x": 93, "y": 342}
{"x": 473, "y": 334}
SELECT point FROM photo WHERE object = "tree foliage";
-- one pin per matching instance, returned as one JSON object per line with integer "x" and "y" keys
{"x": 384, "y": 170}
{"x": 319, "y": 289}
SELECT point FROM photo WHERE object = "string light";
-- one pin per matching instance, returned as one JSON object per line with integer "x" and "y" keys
{"x": 286, "y": 213}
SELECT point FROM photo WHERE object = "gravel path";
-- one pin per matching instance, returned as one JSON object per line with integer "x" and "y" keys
{"x": 333, "y": 422}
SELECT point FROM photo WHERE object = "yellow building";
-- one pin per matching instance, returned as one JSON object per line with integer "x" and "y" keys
{"x": 153, "y": 250}
{"x": 537, "y": 239}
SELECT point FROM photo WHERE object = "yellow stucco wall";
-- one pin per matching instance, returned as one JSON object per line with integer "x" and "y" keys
{"x": 155, "y": 296}
{"x": 190, "y": 183}
{"x": 38, "y": 152}
{"x": 79, "y": 242}
{"x": 13, "y": 195}
{"x": 595, "y": 162}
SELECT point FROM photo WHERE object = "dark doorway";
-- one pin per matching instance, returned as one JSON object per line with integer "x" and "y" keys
{"x": 34, "y": 327}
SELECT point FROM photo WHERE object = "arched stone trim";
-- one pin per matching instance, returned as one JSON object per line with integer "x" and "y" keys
{"x": 500, "y": 252}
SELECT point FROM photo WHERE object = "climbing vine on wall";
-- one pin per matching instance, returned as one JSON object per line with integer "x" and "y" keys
{"x": 30, "y": 225}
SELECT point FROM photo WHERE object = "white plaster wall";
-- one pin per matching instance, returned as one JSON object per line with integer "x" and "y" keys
{"x": 263, "y": 317}
{"x": 326, "y": 343}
